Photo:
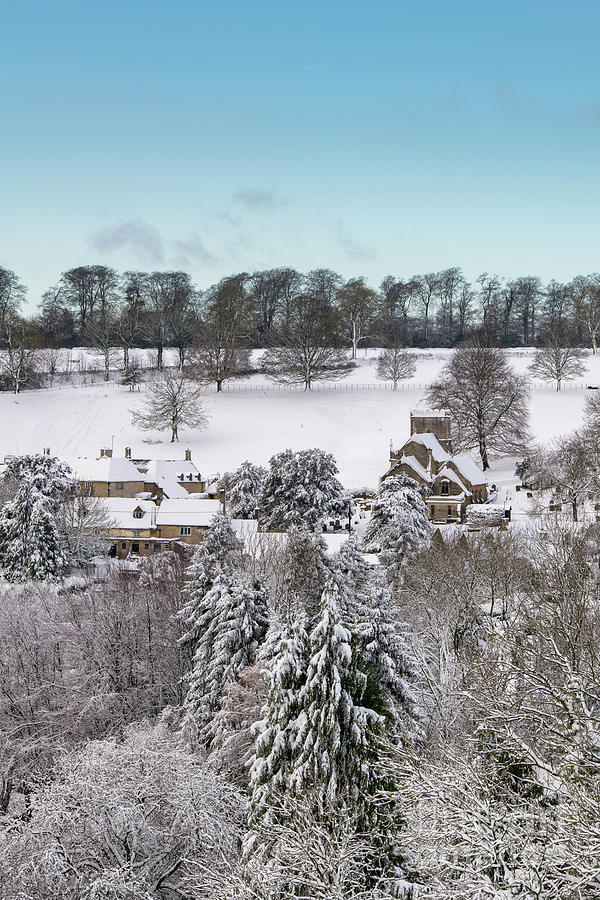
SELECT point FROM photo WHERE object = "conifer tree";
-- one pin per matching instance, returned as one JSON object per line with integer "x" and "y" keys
{"x": 244, "y": 490}
{"x": 399, "y": 527}
{"x": 220, "y": 550}
{"x": 307, "y": 568}
{"x": 30, "y": 544}
{"x": 301, "y": 489}
{"x": 237, "y": 616}
{"x": 275, "y": 734}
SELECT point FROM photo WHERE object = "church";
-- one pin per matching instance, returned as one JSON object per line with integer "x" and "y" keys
{"x": 454, "y": 482}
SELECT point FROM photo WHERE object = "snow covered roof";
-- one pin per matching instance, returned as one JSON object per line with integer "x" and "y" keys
{"x": 104, "y": 468}
{"x": 121, "y": 509}
{"x": 416, "y": 466}
{"x": 430, "y": 413}
{"x": 187, "y": 512}
{"x": 429, "y": 440}
{"x": 168, "y": 473}
{"x": 469, "y": 469}
{"x": 451, "y": 475}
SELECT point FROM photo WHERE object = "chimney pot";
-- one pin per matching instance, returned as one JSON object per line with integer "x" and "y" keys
{"x": 127, "y": 452}
{"x": 188, "y": 455}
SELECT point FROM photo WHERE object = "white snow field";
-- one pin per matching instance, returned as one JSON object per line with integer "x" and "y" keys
{"x": 354, "y": 419}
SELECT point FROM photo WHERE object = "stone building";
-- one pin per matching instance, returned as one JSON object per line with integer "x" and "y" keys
{"x": 454, "y": 482}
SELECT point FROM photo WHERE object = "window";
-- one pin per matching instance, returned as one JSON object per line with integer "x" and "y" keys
{"x": 157, "y": 548}
{"x": 185, "y": 529}
{"x": 123, "y": 545}
{"x": 449, "y": 511}
{"x": 445, "y": 487}
{"x": 136, "y": 533}
{"x": 146, "y": 546}
{"x": 138, "y": 513}
{"x": 119, "y": 485}
{"x": 135, "y": 548}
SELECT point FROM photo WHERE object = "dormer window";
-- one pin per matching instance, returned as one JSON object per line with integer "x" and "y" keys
{"x": 138, "y": 513}
{"x": 445, "y": 487}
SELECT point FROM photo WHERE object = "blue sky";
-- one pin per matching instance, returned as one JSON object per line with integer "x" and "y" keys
{"x": 371, "y": 137}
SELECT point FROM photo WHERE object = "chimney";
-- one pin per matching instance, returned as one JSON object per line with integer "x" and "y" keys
{"x": 105, "y": 451}
{"x": 188, "y": 455}
{"x": 429, "y": 462}
{"x": 127, "y": 452}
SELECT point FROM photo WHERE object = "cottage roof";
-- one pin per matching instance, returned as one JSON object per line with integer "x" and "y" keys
{"x": 168, "y": 474}
{"x": 416, "y": 466}
{"x": 189, "y": 511}
{"x": 469, "y": 470}
{"x": 121, "y": 512}
{"x": 104, "y": 468}
{"x": 429, "y": 440}
{"x": 451, "y": 475}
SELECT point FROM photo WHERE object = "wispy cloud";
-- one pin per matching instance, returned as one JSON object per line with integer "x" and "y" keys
{"x": 193, "y": 250}
{"x": 144, "y": 243}
{"x": 138, "y": 237}
{"x": 351, "y": 247}
{"x": 260, "y": 198}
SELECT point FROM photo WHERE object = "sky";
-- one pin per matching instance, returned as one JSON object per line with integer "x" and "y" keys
{"x": 374, "y": 138}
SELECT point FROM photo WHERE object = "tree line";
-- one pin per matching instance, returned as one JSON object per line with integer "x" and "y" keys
{"x": 96, "y": 306}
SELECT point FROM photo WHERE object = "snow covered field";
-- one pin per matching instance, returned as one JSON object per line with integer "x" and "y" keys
{"x": 354, "y": 423}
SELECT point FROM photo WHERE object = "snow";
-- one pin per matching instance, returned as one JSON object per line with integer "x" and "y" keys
{"x": 469, "y": 469}
{"x": 104, "y": 468}
{"x": 416, "y": 466}
{"x": 255, "y": 420}
{"x": 453, "y": 477}
{"x": 121, "y": 509}
{"x": 198, "y": 513}
{"x": 429, "y": 440}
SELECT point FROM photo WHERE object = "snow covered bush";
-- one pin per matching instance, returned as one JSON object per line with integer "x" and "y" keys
{"x": 244, "y": 487}
{"x": 301, "y": 489}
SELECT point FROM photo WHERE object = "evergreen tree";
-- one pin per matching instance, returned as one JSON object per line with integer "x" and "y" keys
{"x": 53, "y": 478}
{"x": 354, "y": 576}
{"x": 244, "y": 490}
{"x": 229, "y": 643}
{"x": 334, "y": 730}
{"x": 30, "y": 544}
{"x": 307, "y": 568}
{"x": 275, "y": 734}
{"x": 399, "y": 527}
{"x": 301, "y": 489}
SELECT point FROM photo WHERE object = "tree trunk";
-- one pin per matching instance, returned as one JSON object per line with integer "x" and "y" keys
{"x": 483, "y": 453}
{"x": 558, "y": 381}
{"x": 159, "y": 358}
{"x": 219, "y": 383}
{"x": 574, "y": 507}
{"x": 125, "y": 358}
{"x": 354, "y": 340}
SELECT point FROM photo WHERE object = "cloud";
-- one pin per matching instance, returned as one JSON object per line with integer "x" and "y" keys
{"x": 193, "y": 250}
{"x": 260, "y": 198}
{"x": 352, "y": 248}
{"x": 514, "y": 98}
{"x": 146, "y": 244}
{"x": 135, "y": 235}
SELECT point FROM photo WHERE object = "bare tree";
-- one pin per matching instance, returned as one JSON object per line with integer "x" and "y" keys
{"x": 219, "y": 352}
{"x": 395, "y": 363}
{"x": 427, "y": 287}
{"x": 84, "y": 288}
{"x": 556, "y": 362}
{"x": 53, "y": 362}
{"x": 12, "y": 295}
{"x": 172, "y": 402}
{"x": 306, "y": 348}
{"x": 18, "y": 364}
{"x": 357, "y": 304}
{"x": 487, "y": 402}
{"x": 128, "y": 325}
{"x": 272, "y": 290}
